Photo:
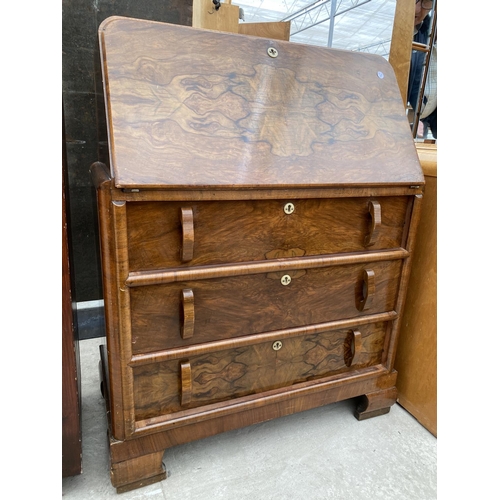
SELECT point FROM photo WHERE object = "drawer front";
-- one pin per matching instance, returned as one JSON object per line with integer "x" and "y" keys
{"x": 173, "y": 234}
{"x": 175, "y": 385}
{"x": 193, "y": 312}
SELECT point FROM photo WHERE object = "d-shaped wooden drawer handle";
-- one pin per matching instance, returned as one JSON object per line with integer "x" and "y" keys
{"x": 187, "y": 328}
{"x": 187, "y": 243}
{"x": 367, "y": 290}
{"x": 186, "y": 383}
{"x": 376, "y": 222}
{"x": 352, "y": 348}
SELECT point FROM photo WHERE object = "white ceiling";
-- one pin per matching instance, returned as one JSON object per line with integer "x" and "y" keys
{"x": 364, "y": 25}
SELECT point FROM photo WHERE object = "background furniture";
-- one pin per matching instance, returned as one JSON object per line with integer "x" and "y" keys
{"x": 225, "y": 18}
{"x": 416, "y": 360}
{"x": 86, "y": 135}
{"x": 257, "y": 222}
{"x": 71, "y": 395}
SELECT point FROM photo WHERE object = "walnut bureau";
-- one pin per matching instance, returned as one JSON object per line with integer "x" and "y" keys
{"x": 257, "y": 220}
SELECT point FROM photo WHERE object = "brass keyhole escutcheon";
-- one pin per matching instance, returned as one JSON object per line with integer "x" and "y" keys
{"x": 272, "y": 52}
{"x": 289, "y": 208}
{"x": 277, "y": 345}
{"x": 286, "y": 280}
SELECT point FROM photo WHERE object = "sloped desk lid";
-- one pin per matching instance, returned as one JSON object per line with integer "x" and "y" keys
{"x": 196, "y": 108}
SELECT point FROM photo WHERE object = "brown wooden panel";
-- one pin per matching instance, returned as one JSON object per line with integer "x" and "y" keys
{"x": 402, "y": 37}
{"x": 137, "y": 472}
{"x": 225, "y": 18}
{"x": 244, "y": 305}
{"x": 71, "y": 381}
{"x": 190, "y": 107}
{"x": 278, "y": 30}
{"x": 252, "y": 369}
{"x": 237, "y": 231}
{"x": 416, "y": 358}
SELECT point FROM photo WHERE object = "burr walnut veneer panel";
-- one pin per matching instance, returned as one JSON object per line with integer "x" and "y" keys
{"x": 178, "y": 96}
{"x": 258, "y": 367}
{"x": 257, "y": 223}
{"x": 251, "y": 228}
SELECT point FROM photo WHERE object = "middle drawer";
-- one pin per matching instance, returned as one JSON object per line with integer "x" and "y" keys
{"x": 199, "y": 311}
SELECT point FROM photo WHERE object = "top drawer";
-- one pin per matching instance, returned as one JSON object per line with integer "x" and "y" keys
{"x": 172, "y": 234}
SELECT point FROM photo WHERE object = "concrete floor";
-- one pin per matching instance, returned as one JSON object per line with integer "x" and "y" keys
{"x": 323, "y": 453}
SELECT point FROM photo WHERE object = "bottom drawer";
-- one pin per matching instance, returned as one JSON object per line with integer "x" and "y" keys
{"x": 178, "y": 384}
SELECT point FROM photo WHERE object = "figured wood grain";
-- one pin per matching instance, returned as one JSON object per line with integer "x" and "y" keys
{"x": 244, "y": 305}
{"x": 252, "y": 229}
{"x": 241, "y": 371}
{"x": 182, "y": 112}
